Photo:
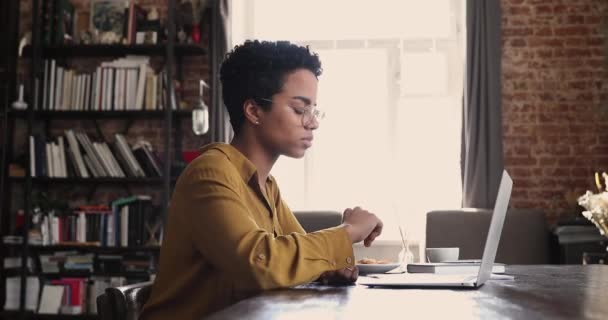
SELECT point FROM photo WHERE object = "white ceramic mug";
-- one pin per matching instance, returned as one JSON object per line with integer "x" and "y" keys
{"x": 442, "y": 254}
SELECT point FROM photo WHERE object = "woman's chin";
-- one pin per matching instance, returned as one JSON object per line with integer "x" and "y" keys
{"x": 297, "y": 153}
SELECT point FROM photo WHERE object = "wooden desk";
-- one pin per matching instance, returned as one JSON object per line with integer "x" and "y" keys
{"x": 539, "y": 292}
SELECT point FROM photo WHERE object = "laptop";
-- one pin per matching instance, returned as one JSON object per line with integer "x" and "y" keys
{"x": 422, "y": 280}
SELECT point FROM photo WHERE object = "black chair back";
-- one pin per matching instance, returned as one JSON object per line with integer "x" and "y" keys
{"x": 123, "y": 303}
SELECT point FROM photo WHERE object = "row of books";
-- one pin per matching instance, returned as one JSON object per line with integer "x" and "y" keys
{"x": 66, "y": 261}
{"x": 129, "y": 221}
{"x": 101, "y": 263}
{"x": 78, "y": 156}
{"x": 60, "y": 296}
{"x": 124, "y": 84}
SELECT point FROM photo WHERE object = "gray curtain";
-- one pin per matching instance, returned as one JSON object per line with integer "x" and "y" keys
{"x": 482, "y": 157}
{"x": 219, "y": 125}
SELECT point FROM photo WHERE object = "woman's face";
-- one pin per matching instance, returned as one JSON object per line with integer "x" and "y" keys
{"x": 282, "y": 128}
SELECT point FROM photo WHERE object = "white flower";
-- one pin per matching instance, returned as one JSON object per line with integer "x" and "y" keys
{"x": 596, "y": 206}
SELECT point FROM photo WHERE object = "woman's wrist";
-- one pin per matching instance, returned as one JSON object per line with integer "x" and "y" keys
{"x": 350, "y": 231}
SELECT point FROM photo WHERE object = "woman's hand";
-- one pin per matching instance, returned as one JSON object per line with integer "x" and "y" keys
{"x": 347, "y": 275}
{"x": 361, "y": 225}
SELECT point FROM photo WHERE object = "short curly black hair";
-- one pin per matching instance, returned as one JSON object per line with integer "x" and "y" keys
{"x": 257, "y": 70}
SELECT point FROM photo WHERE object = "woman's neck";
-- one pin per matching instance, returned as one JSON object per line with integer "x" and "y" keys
{"x": 255, "y": 152}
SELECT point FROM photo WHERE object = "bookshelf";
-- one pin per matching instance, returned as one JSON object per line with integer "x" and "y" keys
{"x": 39, "y": 119}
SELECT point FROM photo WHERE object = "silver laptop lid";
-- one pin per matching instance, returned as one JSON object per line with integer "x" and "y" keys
{"x": 497, "y": 221}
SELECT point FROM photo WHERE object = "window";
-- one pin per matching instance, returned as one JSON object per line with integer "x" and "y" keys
{"x": 392, "y": 91}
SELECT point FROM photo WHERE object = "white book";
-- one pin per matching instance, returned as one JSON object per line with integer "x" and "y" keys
{"x": 116, "y": 89}
{"x": 75, "y": 92}
{"x": 103, "y": 160}
{"x": 67, "y": 90}
{"x": 62, "y": 160}
{"x": 52, "y": 84}
{"x": 94, "y": 156}
{"x": 118, "y": 85}
{"x": 110, "y": 233}
{"x": 45, "y": 232}
{"x": 79, "y": 92}
{"x": 89, "y": 164}
{"x": 155, "y": 92}
{"x": 88, "y": 94}
{"x": 56, "y": 160}
{"x": 49, "y": 160}
{"x": 110, "y": 89}
{"x": 124, "y": 226}
{"x": 128, "y": 155}
{"x": 51, "y": 298}
{"x": 69, "y": 106}
{"x": 126, "y": 89}
{"x": 13, "y": 289}
{"x": 58, "y": 89}
{"x": 81, "y": 230}
{"x": 75, "y": 150}
{"x": 141, "y": 86}
{"x": 102, "y": 91}
{"x": 115, "y": 165}
{"x": 97, "y": 91}
{"x": 54, "y": 229}
{"x": 32, "y": 156}
{"x": 85, "y": 89}
{"x": 65, "y": 95}
{"x": 90, "y": 153}
{"x": 148, "y": 89}
{"x": 133, "y": 82}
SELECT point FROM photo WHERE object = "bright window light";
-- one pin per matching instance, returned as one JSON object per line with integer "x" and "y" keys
{"x": 392, "y": 91}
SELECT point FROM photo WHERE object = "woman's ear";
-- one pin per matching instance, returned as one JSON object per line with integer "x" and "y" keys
{"x": 252, "y": 111}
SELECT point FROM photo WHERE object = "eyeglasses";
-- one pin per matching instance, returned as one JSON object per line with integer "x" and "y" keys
{"x": 308, "y": 113}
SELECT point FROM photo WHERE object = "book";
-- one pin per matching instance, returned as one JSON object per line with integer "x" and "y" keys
{"x": 50, "y": 302}
{"x": 455, "y": 267}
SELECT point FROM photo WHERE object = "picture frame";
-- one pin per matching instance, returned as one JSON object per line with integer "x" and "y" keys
{"x": 108, "y": 16}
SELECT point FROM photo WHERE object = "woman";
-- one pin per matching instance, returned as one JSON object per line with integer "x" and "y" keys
{"x": 229, "y": 234}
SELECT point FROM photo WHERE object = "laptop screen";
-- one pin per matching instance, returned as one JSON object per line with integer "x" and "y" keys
{"x": 496, "y": 224}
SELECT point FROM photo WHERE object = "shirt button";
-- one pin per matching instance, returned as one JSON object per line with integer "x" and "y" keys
{"x": 261, "y": 256}
{"x": 349, "y": 260}
{"x": 333, "y": 263}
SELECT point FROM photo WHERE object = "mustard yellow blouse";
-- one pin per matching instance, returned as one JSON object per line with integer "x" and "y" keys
{"x": 226, "y": 239}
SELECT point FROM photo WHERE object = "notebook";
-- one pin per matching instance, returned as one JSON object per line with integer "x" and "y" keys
{"x": 471, "y": 280}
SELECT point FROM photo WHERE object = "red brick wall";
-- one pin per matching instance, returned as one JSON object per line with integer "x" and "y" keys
{"x": 555, "y": 100}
